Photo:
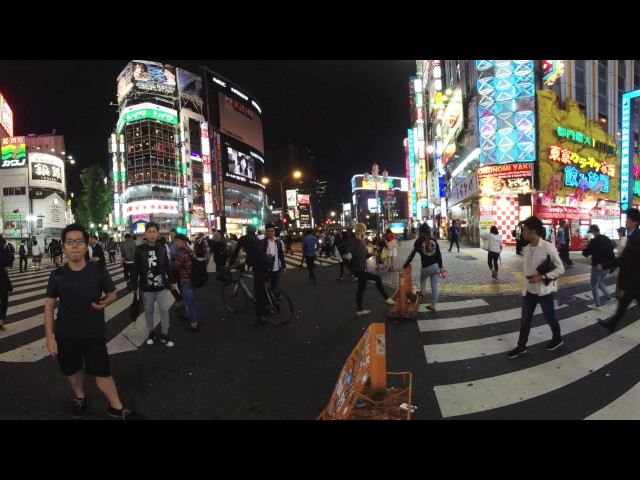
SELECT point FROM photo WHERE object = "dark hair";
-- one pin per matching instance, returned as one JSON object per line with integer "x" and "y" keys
{"x": 127, "y": 235}
{"x": 269, "y": 225}
{"x": 309, "y": 231}
{"x": 94, "y": 236}
{"x": 494, "y": 230}
{"x": 151, "y": 225}
{"x": 633, "y": 214}
{"x": 534, "y": 223}
{"x": 162, "y": 241}
{"x": 75, "y": 227}
{"x": 388, "y": 230}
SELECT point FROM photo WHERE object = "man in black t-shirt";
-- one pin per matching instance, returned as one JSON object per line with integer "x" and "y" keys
{"x": 79, "y": 328}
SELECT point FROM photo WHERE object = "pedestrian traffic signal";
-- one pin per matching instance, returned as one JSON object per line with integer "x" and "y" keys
{"x": 182, "y": 230}
{"x": 255, "y": 221}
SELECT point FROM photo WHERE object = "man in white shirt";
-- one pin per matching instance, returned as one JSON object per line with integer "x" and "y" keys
{"x": 541, "y": 267}
{"x": 274, "y": 249}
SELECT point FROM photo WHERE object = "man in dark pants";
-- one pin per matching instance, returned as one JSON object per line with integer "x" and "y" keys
{"x": 23, "y": 256}
{"x": 127, "y": 251}
{"x": 600, "y": 249}
{"x": 256, "y": 258}
{"x": 564, "y": 239}
{"x": 274, "y": 249}
{"x": 628, "y": 274}
{"x": 310, "y": 244}
{"x": 454, "y": 234}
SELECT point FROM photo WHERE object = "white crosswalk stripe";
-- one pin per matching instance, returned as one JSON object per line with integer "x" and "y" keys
{"x": 467, "y": 349}
{"x": 34, "y": 286}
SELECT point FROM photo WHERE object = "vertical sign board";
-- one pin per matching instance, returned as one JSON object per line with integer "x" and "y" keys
{"x": 368, "y": 359}
{"x": 626, "y": 180}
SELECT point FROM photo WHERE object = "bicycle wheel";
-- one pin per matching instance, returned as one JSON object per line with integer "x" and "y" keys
{"x": 234, "y": 297}
{"x": 281, "y": 308}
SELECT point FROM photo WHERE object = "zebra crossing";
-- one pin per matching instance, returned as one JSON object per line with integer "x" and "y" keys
{"x": 24, "y": 341}
{"x": 293, "y": 261}
{"x": 594, "y": 375}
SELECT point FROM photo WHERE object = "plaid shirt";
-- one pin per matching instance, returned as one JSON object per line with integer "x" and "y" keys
{"x": 182, "y": 264}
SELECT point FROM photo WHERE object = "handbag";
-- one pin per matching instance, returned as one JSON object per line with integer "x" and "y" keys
{"x": 391, "y": 244}
{"x": 545, "y": 267}
{"x": 385, "y": 253}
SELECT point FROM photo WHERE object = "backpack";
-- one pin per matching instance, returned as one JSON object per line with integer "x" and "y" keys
{"x": 22, "y": 251}
{"x": 199, "y": 275}
{"x": 200, "y": 249}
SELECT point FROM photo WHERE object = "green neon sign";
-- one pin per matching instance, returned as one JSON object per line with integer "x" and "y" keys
{"x": 146, "y": 113}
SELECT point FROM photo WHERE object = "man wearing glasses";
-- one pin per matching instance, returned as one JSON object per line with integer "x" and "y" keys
{"x": 77, "y": 336}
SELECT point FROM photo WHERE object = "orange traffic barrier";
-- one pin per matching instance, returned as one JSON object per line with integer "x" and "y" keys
{"x": 407, "y": 302}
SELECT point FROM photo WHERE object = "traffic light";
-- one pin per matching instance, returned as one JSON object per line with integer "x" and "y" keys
{"x": 327, "y": 221}
{"x": 255, "y": 221}
{"x": 284, "y": 220}
{"x": 237, "y": 204}
{"x": 182, "y": 230}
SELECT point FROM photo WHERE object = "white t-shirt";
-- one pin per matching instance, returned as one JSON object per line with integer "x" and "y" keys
{"x": 272, "y": 249}
{"x": 35, "y": 250}
{"x": 533, "y": 258}
{"x": 495, "y": 243}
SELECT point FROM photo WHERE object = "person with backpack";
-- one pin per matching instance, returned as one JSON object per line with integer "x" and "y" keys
{"x": 22, "y": 252}
{"x": 600, "y": 249}
{"x": 182, "y": 263}
{"x": 454, "y": 235}
{"x": 111, "y": 250}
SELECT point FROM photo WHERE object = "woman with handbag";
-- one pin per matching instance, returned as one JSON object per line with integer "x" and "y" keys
{"x": 494, "y": 248}
{"x": 392, "y": 248}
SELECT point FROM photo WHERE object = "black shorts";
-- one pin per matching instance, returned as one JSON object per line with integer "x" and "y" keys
{"x": 71, "y": 352}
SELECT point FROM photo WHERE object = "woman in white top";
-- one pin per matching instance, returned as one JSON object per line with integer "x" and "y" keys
{"x": 495, "y": 247}
{"x": 36, "y": 255}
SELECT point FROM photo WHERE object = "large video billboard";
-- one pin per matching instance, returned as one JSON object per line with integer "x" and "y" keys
{"x": 146, "y": 76}
{"x": 241, "y": 164}
{"x": 6, "y": 116}
{"x": 46, "y": 171}
{"x": 240, "y": 122}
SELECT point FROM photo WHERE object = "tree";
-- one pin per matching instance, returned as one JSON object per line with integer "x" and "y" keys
{"x": 94, "y": 204}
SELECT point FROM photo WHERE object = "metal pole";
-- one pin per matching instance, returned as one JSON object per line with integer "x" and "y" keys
{"x": 282, "y": 204}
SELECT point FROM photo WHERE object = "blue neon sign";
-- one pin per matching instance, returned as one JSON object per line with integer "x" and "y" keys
{"x": 626, "y": 180}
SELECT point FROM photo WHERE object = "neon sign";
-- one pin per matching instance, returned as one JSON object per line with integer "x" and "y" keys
{"x": 581, "y": 138}
{"x": 627, "y": 187}
{"x": 552, "y": 70}
{"x": 146, "y": 110}
{"x": 6, "y": 116}
{"x": 563, "y": 155}
{"x": 573, "y": 178}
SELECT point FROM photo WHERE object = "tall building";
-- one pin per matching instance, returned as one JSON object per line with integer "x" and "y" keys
{"x": 187, "y": 152}
{"x": 510, "y": 138}
{"x": 33, "y": 183}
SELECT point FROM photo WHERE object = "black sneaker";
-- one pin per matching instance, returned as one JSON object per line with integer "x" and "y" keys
{"x": 553, "y": 344}
{"x": 151, "y": 338}
{"x": 165, "y": 340}
{"x": 606, "y": 325}
{"x": 124, "y": 414}
{"x": 516, "y": 352}
{"x": 79, "y": 407}
{"x": 191, "y": 328}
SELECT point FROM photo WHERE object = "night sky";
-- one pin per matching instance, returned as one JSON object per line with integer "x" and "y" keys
{"x": 349, "y": 113}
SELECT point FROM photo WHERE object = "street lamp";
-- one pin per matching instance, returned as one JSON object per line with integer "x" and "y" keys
{"x": 297, "y": 174}
{"x": 385, "y": 176}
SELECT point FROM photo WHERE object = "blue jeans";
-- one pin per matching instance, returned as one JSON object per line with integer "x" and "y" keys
{"x": 432, "y": 272}
{"x": 149, "y": 298}
{"x": 597, "y": 277}
{"x": 529, "y": 302}
{"x": 189, "y": 297}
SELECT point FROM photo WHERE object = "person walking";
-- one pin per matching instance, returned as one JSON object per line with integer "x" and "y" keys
{"x": 5, "y": 290}
{"x": 55, "y": 249}
{"x": 97, "y": 252}
{"x": 600, "y": 249}
{"x": 274, "y": 249}
{"x": 127, "y": 252}
{"x": 392, "y": 248}
{"x": 345, "y": 254}
{"x": 22, "y": 252}
{"x": 111, "y": 250}
{"x": 454, "y": 235}
{"x": 628, "y": 263}
{"x": 622, "y": 242}
{"x": 36, "y": 255}
{"x": 182, "y": 261}
{"x": 258, "y": 259}
{"x": 152, "y": 274}
{"x": 358, "y": 250}
{"x": 77, "y": 336}
{"x": 177, "y": 292}
{"x": 288, "y": 241}
{"x": 431, "y": 262}
{"x": 541, "y": 267}
{"x": 495, "y": 247}
{"x": 563, "y": 239}
{"x": 310, "y": 244}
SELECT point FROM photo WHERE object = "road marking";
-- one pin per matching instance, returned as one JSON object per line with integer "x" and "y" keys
{"x": 625, "y": 407}
{"x": 443, "y": 307}
{"x": 476, "y": 320}
{"x": 589, "y": 296}
{"x": 451, "y": 352}
{"x": 502, "y": 390}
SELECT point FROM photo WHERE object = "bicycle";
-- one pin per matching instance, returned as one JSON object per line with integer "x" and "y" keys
{"x": 279, "y": 309}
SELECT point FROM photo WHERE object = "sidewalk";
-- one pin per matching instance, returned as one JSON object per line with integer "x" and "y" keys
{"x": 468, "y": 272}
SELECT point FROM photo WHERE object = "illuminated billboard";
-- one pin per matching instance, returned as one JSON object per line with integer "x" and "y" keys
{"x": 150, "y": 206}
{"x": 14, "y": 152}
{"x": 190, "y": 86}
{"x": 506, "y": 111}
{"x": 240, "y": 164}
{"x": 578, "y": 159}
{"x": 206, "y": 167}
{"x": 627, "y": 171}
{"x": 393, "y": 183}
{"x": 6, "y": 116}
{"x": 291, "y": 198}
{"x": 125, "y": 83}
{"x": 46, "y": 171}
{"x": 240, "y": 122}
{"x": 149, "y": 111}
{"x": 452, "y": 120}
{"x": 154, "y": 77}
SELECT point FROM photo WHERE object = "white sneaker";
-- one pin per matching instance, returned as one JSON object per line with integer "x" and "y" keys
{"x": 360, "y": 313}
{"x": 390, "y": 301}
{"x": 593, "y": 306}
